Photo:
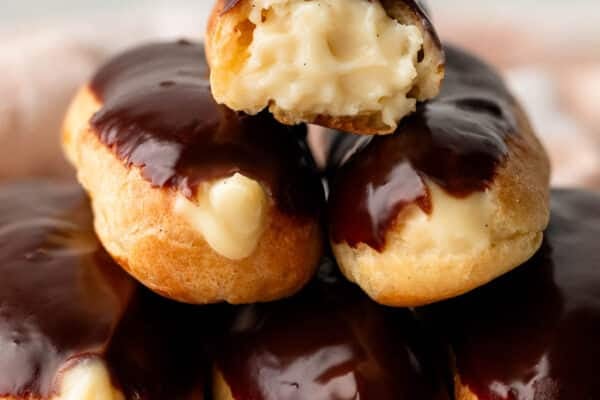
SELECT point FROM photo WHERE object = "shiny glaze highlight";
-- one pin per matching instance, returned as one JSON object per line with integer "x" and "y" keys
{"x": 158, "y": 114}
{"x": 457, "y": 141}
{"x": 533, "y": 334}
{"x": 331, "y": 342}
{"x": 64, "y": 300}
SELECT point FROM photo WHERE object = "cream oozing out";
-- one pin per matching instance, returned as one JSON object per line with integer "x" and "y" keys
{"x": 230, "y": 213}
{"x": 455, "y": 225}
{"x": 327, "y": 57}
{"x": 88, "y": 379}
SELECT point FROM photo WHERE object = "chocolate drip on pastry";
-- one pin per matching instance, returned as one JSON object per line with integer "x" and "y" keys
{"x": 457, "y": 141}
{"x": 330, "y": 342}
{"x": 63, "y": 300}
{"x": 533, "y": 334}
{"x": 158, "y": 114}
{"x": 161, "y": 349}
{"x": 61, "y": 295}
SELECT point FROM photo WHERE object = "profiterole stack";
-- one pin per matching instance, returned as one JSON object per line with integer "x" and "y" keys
{"x": 203, "y": 188}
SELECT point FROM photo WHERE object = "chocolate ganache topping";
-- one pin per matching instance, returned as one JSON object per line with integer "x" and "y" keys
{"x": 61, "y": 296}
{"x": 63, "y": 301}
{"x": 457, "y": 141}
{"x": 329, "y": 342}
{"x": 158, "y": 114}
{"x": 533, "y": 334}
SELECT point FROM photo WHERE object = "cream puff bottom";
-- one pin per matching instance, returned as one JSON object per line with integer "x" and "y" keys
{"x": 462, "y": 244}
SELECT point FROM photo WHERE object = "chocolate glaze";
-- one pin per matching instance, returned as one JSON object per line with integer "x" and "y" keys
{"x": 533, "y": 334}
{"x": 158, "y": 114}
{"x": 63, "y": 300}
{"x": 61, "y": 296}
{"x": 457, "y": 141}
{"x": 162, "y": 349}
{"x": 328, "y": 343}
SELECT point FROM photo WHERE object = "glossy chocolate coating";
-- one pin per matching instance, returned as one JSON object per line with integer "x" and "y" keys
{"x": 457, "y": 141}
{"x": 158, "y": 113}
{"x": 63, "y": 300}
{"x": 61, "y": 296}
{"x": 328, "y": 343}
{"x": 162, "y": 348}
{"x": 533, "y": 334}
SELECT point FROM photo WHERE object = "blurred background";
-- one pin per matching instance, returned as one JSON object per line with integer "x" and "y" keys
{"x": 548, "y": 51}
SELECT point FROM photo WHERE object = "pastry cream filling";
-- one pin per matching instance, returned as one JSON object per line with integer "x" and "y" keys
{"x": 88, "y": 380}
{"x": 230, "y": 213}
{"x": 455, "y": 226}
{"x": 327, "y": 57}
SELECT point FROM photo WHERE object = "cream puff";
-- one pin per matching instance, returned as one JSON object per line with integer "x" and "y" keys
{"x": 456, "y": 197}
{"x": 198, "y": 202}
{"x": 355, "y": 65}
{"x": 73, "y": 324}
{"x": 533, "y": 334}
{"x": 330, "y": 342}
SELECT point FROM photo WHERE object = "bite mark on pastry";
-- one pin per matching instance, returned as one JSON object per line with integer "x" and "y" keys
{"x": 364, "y": 62}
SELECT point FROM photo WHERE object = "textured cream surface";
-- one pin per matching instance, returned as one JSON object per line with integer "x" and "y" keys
{"x": 455, "y": 225}
{"x": 329, "y": 57}
{"x": 88, "y": 380}
{"x": 230, "y": 213}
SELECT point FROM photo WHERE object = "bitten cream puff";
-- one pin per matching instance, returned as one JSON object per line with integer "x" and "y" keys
{"x": 198, "y": 202}
{"x": 533, "y": 334}
{"x": 354, "y": 65}
{"x": 455, "y": 198}
{"x": 73, "y": 324}
{"x": 330, "y": 342}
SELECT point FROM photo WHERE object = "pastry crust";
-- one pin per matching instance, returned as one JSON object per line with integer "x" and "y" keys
{"x": 221, "y": 390}
{"x": 406, "y": 274}
{"x": 462, "y": 392}
{"x": 230, "y": 33}
{"x": 162, "y": 249}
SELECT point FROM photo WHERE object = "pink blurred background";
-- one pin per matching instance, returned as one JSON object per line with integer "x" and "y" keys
{"x": 550, "y": 55}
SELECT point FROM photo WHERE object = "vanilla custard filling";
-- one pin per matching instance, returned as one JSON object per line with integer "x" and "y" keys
{"x": 230, "y": 213}
{"x": 327, "y": 57}
{"x": 88, "y": 380}
{"x": 455, "y": 225}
